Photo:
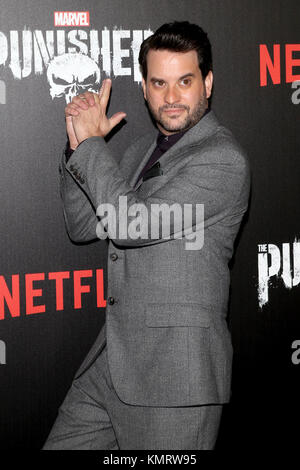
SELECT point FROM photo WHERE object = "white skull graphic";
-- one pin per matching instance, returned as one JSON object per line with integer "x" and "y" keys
{"x": 71, "y": 74}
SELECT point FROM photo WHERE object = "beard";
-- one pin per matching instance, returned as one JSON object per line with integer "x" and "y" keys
{"x": 192, "y": 117}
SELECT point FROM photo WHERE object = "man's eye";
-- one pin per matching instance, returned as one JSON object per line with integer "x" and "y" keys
{"x": 185, "y": 81}
{"x": 159, "y": 83}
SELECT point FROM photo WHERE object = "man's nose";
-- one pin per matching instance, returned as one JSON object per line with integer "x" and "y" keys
{"x": 172, "y": 95}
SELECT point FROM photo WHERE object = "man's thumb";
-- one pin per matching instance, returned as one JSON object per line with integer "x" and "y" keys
{"x": 116, "y": 118}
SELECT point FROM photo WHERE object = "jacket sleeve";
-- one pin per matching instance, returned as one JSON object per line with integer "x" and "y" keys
{"x": 79, "y": 212}
{"x": 219, "y": 185}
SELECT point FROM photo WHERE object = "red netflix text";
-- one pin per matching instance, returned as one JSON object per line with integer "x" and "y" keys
{"x": 270, "y": 61}
{"x": 80, "y": 281}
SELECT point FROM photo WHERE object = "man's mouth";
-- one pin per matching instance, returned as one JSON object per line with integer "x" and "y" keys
{"x": 174, "y": 111}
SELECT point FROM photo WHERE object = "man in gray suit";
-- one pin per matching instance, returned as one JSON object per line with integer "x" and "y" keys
{"x": 160, "y": 370}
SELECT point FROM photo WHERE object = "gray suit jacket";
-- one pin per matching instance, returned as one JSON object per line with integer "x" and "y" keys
{"x": 166, "y": 332}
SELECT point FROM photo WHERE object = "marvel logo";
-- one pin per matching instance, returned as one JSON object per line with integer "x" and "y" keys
{"x": 71, "y": 18}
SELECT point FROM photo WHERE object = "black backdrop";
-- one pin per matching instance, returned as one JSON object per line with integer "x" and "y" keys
{"x": 39, "y": 352}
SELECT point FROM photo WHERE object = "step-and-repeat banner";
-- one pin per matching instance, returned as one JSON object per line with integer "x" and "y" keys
{"x": 52, "y": 291}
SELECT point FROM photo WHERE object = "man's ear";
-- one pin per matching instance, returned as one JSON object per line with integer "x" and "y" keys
{"x": 208, "y": 82}
{"x": 144, "y": 88}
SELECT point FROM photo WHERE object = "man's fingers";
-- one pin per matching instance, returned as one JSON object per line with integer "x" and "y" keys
{"x": 72, "y": 110}
{"x": 116, "y": 118}
{"x": 89, "y": 97}
{"x": 105, "y": 92}
{"x": 97, "y": 99}
{"x": 101, "y": 89}
{"x": 84, "y": 100}
{"x": 80, "y": 102}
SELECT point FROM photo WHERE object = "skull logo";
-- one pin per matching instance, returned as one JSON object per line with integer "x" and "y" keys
{"x": 71, "y": 74}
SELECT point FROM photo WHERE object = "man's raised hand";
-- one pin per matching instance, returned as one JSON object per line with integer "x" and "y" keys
{"x": 86, "y": 115}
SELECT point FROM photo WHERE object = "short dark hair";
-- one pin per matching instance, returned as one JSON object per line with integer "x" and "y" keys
{"x": 179, "y": 36}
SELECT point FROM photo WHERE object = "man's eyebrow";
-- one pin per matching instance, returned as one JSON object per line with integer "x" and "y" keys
{"x": 156, "y": 79}
{"x": 190, "y": 74}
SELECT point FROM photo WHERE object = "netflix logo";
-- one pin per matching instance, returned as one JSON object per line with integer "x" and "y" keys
{"x": 71, "y": 18}
{"x": 279, "y": 64}
{"x": 31, "y": 289}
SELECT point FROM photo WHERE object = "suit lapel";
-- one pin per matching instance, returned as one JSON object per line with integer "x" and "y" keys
{"x": 141, "y": 165}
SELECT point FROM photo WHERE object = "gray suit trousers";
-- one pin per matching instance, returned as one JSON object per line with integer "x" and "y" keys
{"x": 92, "y": 417}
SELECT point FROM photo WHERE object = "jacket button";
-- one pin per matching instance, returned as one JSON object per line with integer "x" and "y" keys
{"x": 114, "y": 256}
{"x": 111, "y": 300}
